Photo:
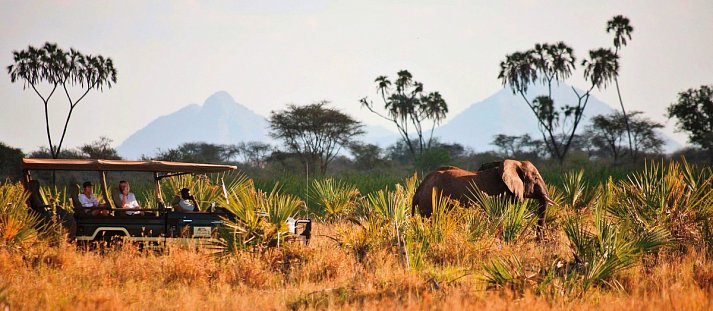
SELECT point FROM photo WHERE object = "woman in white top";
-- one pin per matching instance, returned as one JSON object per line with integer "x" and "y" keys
{"x": 127, "y": 198}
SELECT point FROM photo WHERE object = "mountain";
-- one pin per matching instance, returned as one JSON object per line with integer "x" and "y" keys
{"x": 507, "y": 113}
{"x": 219, "y": 120}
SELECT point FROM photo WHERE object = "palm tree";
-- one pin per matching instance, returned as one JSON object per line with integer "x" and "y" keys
{"x": 61, "y": 69}
{"x": 622, "y": 30}
{"x": 601, "y": 68}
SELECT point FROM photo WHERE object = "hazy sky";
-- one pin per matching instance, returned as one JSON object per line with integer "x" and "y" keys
{"x": 269, "y": 53}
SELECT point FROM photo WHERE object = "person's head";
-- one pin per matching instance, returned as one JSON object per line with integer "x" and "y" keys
{"x": 185, "y": 193}
{"x": 87, "y": 187}
{"x": 124, "y": 187}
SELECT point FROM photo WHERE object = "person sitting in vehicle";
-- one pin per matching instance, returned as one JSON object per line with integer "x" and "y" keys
{"x": 127, "y": 199}
{"x": 87, "y": 199}
{"x": 188, "y": 202}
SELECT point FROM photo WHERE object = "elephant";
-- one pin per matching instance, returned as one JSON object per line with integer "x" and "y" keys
{"x": 518, "y": 179}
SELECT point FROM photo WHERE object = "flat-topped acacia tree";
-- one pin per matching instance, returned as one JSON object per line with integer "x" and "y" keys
{"x": 62, "y": 70}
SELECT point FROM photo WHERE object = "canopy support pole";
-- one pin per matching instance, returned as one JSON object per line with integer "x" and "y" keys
{"x": 159, "y": 193}
{"x": 109, "y": 200}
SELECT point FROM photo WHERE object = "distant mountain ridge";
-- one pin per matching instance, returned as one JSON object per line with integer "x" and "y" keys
{"x": 221, "y": 120}
{"x": 507, "y": 113}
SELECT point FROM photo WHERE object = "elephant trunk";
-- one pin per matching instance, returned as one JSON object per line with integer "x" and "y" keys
{"x": 541, "y": 210}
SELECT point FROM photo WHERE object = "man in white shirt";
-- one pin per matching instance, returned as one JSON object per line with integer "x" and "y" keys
{"x": 87, "y": 199}
{"x": 127, "y": 199}
{"x": 188, "y": 202}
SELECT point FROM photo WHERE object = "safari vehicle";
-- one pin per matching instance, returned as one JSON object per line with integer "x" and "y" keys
{"x": 157, "y": 224}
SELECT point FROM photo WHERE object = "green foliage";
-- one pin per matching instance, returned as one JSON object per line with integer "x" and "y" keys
{"x": 694, "y": 113}
{"x": 676, "y": 197}
{"x": 314, "y": 132}
{"x": 506, "y": 272}
{"x": 202, "y": 187}
{"x": 508, "y": 219}
{"x": 608, "y": 249}
{"x": 19, "y": 227}
{"x": 10, "y": 158}
{"x": 432, "y": 158}
{"x": 578, "y": 194}
{"x": 197, "y": 152}
{"x": 260, "y": 218}
{"x": 409, "y": 107}
{"x": 333, "y": 199}
{"x": 60, "y": 69}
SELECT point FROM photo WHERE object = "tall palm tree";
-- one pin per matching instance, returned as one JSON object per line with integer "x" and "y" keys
{"x": 601, "y": 68}
{"x": 518, "y": 71}
{"x": 622, "y": 31}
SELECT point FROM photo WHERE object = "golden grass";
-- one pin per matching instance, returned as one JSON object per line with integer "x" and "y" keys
{"x": 322, "y": 275}
{"x": 654, "y": 230}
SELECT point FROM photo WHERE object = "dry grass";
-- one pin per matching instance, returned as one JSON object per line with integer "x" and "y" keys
{"x": 639, "y": 244}
{"x": 319, "y": 275}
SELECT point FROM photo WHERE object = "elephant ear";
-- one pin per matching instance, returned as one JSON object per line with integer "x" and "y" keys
{"x": 512, "y": 178}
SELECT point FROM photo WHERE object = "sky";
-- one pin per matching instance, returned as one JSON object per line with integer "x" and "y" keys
{"x": 268, "y": 54}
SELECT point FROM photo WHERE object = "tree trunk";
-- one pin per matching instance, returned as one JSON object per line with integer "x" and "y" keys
{"x": 626, "y": 118}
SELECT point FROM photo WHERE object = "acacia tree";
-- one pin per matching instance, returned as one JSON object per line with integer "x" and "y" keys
{"x": 62, "y": 70}
{"x": 694, "y": 113}
{"x": 622, "y": 30}
{"x": 410, "y": 109}
{"x": 553, "y": 63}
{"x": 316, "y": 133}
{"x": 644, "y": 138}
{"x": 254, "y": 153}
{"x": 607, "y": 132}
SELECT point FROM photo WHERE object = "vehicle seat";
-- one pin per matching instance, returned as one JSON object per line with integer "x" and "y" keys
{"x": 174, "y": 203}
{"x": 117, "y": 202}
{"x": 37, "y": 201}
{"x": 74, "y": 192}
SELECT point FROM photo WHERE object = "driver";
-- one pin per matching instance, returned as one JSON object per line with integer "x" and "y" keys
{"x": 188, "y": 201}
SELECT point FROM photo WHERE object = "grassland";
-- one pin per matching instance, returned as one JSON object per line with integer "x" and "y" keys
{"x": 642, "y": 242}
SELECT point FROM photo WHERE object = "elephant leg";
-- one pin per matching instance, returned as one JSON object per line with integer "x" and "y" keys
{"x": 541, "y": 219}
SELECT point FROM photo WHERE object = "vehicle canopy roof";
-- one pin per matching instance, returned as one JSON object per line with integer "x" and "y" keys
{"x": 123, "y": 165}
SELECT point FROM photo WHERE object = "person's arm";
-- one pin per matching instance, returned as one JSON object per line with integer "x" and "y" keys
{"x": 195, "y": 204}
{"x": 94, "y": 201}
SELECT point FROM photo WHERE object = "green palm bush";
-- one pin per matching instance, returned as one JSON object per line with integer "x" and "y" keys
{"x": 607, "y": 248}
{"x": 508, "y": 218}
{"x": 507, "y": 272}
{"x": 19, "y": 227}
{"x": 676, "y": 197}
{"x": 260, "y": 218}
{"x": 203, "y": 188}
{"x": 333, "y": 199}
{"x": 578, "y": 194}
{"x": 423, "y": 234}
{"x": 382, "y": 218}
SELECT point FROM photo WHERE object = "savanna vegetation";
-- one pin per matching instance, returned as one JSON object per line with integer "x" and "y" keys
{"x": 640, "y": 242}
{"x": 624, "y": 234}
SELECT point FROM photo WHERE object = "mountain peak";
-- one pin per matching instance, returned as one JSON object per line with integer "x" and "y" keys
{"x": 221, "y": 120}
{"x": 220, "y": 96}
